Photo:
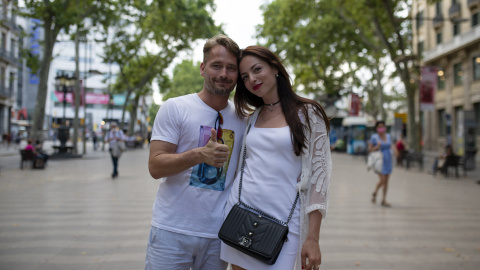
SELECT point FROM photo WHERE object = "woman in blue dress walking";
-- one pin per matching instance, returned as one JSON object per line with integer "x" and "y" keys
{"x": 381, "y": 141}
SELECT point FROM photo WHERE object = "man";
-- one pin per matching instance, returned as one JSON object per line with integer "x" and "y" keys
{"x": 114, "y": 137}
{"x": 195, "y": 147}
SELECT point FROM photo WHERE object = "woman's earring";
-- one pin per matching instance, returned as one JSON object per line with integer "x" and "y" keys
{"x": 276, "y": 75}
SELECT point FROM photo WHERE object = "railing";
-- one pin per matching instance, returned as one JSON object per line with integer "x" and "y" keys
{"x": 454, "y": 10}
{"x": 438, "y": 21}
{"x": 5, "y": 91}
{"x": 10, "y": 23}
{"x": 8, "y": 56}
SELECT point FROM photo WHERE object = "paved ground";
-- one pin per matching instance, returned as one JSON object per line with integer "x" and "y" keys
{"x": 73, "y": 216}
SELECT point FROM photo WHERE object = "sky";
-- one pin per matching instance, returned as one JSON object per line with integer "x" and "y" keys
{"x": 239, "y": 18}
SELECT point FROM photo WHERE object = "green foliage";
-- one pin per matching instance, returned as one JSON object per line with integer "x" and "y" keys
{"x": 313, "y": 39}
{"x": 152, "y": 113}
{"x": 55, "y": 16}
{"x": 327, "y": 42}
{"x": 186, "y": 80}
{"x": 169, "y": 26}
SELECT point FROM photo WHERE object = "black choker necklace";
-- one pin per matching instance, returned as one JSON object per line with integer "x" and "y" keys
{"x": 271, "y": 104}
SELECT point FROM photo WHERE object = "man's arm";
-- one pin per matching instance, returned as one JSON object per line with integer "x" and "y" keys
{"x": 163, "y": 161}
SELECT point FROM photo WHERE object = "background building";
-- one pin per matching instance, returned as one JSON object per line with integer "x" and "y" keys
{"x": 9, "y": 64}
{"x": 446, "y": 35}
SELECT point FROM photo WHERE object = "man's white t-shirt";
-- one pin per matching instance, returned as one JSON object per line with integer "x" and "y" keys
{"x": 192, "y": 202}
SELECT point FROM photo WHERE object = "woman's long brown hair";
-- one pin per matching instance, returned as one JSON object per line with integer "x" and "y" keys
{"x": 290, "y": 101}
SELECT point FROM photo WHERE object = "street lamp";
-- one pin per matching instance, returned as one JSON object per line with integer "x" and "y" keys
{"x": 63, "y": 83}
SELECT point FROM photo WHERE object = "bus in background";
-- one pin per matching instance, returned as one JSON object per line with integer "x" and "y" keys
{"x": 358, "y": 131}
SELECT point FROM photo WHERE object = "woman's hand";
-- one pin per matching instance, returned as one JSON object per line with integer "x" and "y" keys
{"x": 311, "y": 251}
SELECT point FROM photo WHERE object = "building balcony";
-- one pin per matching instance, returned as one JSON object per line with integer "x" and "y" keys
{"x": 10, "y": 23}
{"x": 5, "y": 92}
{"x": 8, "y": 57}
{"x": 438, "y": 21}
{"x": 473, "y": 3}
{"x": 454, "y": 11}
{"x": 470, "y": 38}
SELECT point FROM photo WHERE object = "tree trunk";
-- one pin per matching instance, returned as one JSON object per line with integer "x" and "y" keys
{"x": 39, "y": 114}
{"x": 77, "y": 93}
{"x": 133, "y": 116}
{"x": 129, "y": 92}
{"x": 380, "y": 91}
{"x": 412, "y": 131}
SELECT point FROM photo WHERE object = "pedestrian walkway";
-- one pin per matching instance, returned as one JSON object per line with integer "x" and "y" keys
{"x": 72, "y": 216}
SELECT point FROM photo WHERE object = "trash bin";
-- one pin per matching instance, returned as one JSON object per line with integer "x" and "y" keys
{"x": 470, "y": 158}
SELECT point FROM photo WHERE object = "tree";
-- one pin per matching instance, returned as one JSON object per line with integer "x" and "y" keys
{"x": 326, "y": 42}
{"x": 171, "y": 25}
{"x": 56, "y": 16}
{"x": 186, "y": 80}
{"x": 323, "y": 53}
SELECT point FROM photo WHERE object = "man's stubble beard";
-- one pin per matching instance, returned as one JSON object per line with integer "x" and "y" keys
{"x": 210, "y": 87}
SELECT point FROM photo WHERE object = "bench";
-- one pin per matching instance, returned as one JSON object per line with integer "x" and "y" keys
{"x": 414, "y": 157}
{"x": 457, "y": 162}
{"x": 26, "y": 155}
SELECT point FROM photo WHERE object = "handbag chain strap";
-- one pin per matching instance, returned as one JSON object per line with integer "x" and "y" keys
{"x": 255, "y": 209}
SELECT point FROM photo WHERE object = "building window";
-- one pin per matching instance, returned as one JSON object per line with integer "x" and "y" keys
{"x": 420, "y": 47}
{"x": 441, "y": 123}
{"x": 439, "y": 38}
{"x": 12, "y": 47}
{"x": 476, "y": 68}
{"x": 457, "y": 74}
{"x": 475, "y": 18}
{"x": 456, "y": 29}
{"x": 476, "y": 108}
{"x": 438, "y": 8}
{"x": 11, "y": 81}
{"x": 441, "y": 79}
{"x": 419, "y": 19}
{"x": 4, "y": 41}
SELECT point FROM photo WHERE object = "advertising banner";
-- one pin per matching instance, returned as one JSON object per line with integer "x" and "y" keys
{"x": 354, "y": 104}
{"x": 428, "y": 86}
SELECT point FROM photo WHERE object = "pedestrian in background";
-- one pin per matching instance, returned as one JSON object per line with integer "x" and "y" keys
{"x": 381, "y": 141}
{"x": 115, "y": 138}
{"x": 94, "y": 140}
{"x": 40, "y": 151}
{"x": 287, "y": 151}
{"x": 443, "y": 160}
{"x": 401, "y": 150}
{"x": 195, "y": 145}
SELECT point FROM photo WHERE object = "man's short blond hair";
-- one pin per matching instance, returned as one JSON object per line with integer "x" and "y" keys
{"x": 221, "y": 40}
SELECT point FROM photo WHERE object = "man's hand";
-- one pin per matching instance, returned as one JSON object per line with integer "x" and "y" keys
{"x": 215, "y": 154}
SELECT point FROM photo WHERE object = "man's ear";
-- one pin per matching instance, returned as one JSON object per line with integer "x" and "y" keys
{"x": 202, "y": 69}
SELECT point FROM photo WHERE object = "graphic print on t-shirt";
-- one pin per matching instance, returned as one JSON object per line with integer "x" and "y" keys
{"x": 206, "y": 176}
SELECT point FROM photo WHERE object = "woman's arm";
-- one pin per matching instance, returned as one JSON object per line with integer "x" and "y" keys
{"x": 371, "y": 147}
{"x": 311, "y": 246}
{"x": 317, "y": 183}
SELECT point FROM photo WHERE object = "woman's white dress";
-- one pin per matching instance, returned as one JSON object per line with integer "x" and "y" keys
{"x": 269, "y": 184}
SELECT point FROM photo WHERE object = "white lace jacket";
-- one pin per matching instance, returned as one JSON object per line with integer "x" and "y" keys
{"x": 316, "y": 172}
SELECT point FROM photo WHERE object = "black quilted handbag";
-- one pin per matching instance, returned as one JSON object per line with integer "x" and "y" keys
{"x": 252, "y": 231}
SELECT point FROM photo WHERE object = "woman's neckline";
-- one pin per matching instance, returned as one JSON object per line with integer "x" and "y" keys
{"x": 269, "y": 127}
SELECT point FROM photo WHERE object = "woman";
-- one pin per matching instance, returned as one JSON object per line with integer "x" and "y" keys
{"x": 287, "y": 150}
{"x": 381, "y": 141}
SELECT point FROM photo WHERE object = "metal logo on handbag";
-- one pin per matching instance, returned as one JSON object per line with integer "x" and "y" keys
{"x": 252, "y": 231}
